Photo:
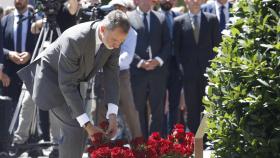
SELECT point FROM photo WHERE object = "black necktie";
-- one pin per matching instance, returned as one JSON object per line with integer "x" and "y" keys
{"x": 19, "y": 34}
{"x": 222, "y": 18}
{"x": 146, "y": 31}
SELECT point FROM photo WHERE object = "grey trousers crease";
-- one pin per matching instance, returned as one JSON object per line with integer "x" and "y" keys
{"x": 126, "y": 106}
{"x": 74, "y": 137}
{"x": 22, "y": 133}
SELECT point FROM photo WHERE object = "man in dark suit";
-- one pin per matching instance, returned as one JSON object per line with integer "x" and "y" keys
{"x": 221, "y": 8}
{"x": 54, "y": 77}
{"x": 174, "y": 81}
{"x": 195, "y": 35}
{"x": 149, "y": 68}
{"x": 18, "y": 45}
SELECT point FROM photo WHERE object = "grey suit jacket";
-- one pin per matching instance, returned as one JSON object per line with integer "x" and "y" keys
{"x": 53, "y": 78}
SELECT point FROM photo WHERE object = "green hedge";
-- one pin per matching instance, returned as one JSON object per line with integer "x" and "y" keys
{"x": 243, "y": 93}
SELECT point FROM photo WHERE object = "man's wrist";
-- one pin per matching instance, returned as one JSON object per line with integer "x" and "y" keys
{"x": 86, "y": 125}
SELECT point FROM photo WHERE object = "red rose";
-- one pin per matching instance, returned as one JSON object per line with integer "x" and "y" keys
{"x": 155, "y": 135}
{"x": 179, "y": 126}
{"x": 104, "y": 152}
{"x": 98, "y": 138}
{"x": 104, "y": 125}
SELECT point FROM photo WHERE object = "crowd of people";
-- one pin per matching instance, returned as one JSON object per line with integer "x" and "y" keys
{"x": 145, "y": 61}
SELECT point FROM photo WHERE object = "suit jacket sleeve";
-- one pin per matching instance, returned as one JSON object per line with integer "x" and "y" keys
{"x": 216, "y": 34}
{"x": 4, "y": 25}
{"x": 177, "y": 41}
{"x": 1, "y": 45}
{"x": 111, "y": 78}
{"x": 165, "y": 43}
{"x": 68, "y": 72}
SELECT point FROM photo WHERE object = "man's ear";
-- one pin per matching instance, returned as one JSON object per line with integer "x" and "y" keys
{"x": 102, "y": 29}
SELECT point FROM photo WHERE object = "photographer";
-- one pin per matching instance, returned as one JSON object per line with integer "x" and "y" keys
{"x": 65, "y": 18}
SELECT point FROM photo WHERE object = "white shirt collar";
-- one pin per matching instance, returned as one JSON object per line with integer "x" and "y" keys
{"x": 218, "y": 5}
{"x": 97, "y": 38}
{"x": 192, "y": 15}
{"x": 141, "y": 12}
{"x": 25, "y": 14}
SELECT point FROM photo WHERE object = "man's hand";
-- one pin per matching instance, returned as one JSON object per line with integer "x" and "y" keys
{"x": 5, "y": 80}
{"x": 91, "y": 130}
{"x": 113, "y": 126}
{"x": 153, "y": 63}
{"x": 15, "y": 57}
{"x": 24, "y": 57}
{"x": 145, "y": 65}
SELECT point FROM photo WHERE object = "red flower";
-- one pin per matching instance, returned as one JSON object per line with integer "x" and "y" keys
{"x": 155, "y": 136}
{"x": 179, "y": 134}
{"x": 119, "y": 152}
{"x": 179, "y": 126}
{"x": 104, "y": 125}
{"x": 104, "y": 152}
{"x": 98, "y": 138}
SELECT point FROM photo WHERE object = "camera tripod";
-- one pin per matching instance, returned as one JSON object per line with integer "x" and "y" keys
{"x": 45, "y": 38}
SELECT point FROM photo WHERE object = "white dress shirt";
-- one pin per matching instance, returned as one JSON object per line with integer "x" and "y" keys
{"x": 226, "y": 10}
{"x": 148, "y": 16}
{"x": 24, "y": 29}
{"x": 128, "y": 49}
{"x": 112, "y": 108}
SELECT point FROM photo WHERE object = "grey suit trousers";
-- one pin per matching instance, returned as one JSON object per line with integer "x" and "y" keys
{"x": 74, "y": 137}
{"x": 126, "y": 107}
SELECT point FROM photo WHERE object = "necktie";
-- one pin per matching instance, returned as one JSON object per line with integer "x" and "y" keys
{"x": 19, "y": 34}
{"x": 196, "y": 28}
{"x": 99, "y": 51}
{"x": 169, "y": 23}
{"x": 222, "y": 18}
{"x": 146, "y": 31}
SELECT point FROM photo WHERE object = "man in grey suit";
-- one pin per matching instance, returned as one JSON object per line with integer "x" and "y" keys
{"x": 53, "y": 78}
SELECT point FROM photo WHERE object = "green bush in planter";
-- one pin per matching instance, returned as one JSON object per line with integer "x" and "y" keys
{"x": 243, "y": 94}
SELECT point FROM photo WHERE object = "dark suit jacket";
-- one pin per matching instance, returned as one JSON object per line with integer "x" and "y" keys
{"x": 11, "y": 68}
{"x": 159, "y": 40}
{"x": 53, "y": 78}
{"x": 211, "y": 8}
{"x": 1, "y": 46}
{"x": 193, "y": 56}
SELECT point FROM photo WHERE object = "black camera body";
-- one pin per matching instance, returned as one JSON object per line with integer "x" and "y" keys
{"x": 50, "y": 9}
{"x": 95, "y": 12}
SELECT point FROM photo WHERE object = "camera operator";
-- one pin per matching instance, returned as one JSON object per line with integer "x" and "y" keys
{"x": 65, "y": 18}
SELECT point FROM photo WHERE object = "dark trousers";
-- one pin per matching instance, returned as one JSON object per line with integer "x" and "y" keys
{"x": 149, "y": 88}
{"x": 126, "y": 107}
{"x": 174, "y": 86}
{"x": 194, "y": 92}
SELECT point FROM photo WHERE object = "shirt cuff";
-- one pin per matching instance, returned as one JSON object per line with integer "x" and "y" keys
{"x": 83, "y": 119}
{"x": 159, "y": 60}
{"x": 140, "y": 63}
{"x": 112, "y": 109}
